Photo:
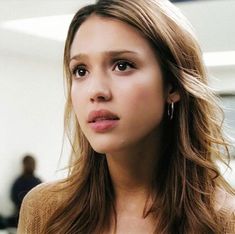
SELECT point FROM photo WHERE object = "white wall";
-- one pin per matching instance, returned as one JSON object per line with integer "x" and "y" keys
{"x": 31, "y": 119}
{"x": 222, "y": 79}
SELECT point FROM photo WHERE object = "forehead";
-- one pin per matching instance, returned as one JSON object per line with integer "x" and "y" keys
{"x": 98, "y": 34}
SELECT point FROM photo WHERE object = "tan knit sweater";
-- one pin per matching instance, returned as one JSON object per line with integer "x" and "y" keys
{"x": 42, "y": 201}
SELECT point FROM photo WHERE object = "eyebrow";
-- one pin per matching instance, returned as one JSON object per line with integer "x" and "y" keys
{"x": 112, "y": 53}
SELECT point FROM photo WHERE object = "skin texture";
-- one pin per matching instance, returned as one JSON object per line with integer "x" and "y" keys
{"x": 114, "y": 68}
{"x": 135, "y": 95}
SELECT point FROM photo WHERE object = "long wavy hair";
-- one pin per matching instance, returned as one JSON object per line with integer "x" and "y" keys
{"x": 187, "y": 176}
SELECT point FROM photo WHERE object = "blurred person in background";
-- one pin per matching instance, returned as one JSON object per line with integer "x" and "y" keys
{"x": 22, "y": 185}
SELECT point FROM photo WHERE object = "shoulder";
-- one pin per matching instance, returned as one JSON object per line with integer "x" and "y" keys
{"x": 17, "y": 180}
{"x": 38, "y": 205}
{"x": 224, "y": 201}
{"x": 225, "y": 206}
{"x": 42, "y": 192}
{"x": 38, "y": 179}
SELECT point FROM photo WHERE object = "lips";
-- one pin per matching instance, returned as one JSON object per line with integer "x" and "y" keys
{"x": 102, "y": 120}
{"x": 101, "y": 115}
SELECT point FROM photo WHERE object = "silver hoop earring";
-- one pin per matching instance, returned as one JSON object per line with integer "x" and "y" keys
{"x": 170, "y": 111}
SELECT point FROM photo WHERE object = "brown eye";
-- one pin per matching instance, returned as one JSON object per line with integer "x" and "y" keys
{"x": 123, "y": 66}
{"x": 79, "y": 72}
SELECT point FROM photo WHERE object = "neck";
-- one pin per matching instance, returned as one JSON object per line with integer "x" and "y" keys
{"x": 27, "y": 173}
{"x": 132, "y": 170}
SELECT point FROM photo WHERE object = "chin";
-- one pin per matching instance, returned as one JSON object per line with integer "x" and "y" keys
{"x": 105, "y": 147}
{"x": 102, "y": 149}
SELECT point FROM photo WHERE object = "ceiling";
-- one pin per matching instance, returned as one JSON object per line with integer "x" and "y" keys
{"x": 213, "y": 22}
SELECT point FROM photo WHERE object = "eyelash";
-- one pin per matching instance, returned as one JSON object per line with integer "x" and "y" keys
{"x": 123, "y": 61}
{"x": 77, "y": 68}
{"x": 128, "y": 65}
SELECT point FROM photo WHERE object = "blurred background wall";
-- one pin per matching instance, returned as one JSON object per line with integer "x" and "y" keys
{"x": 31, "y": 78}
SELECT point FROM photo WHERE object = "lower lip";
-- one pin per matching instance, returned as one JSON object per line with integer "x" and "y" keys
{"x": 103, "y": 125}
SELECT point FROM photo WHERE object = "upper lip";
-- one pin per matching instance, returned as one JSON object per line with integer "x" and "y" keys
{"x": 101, "y": 115}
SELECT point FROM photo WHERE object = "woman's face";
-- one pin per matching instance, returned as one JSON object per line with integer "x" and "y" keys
{"x": 117, "y": 85}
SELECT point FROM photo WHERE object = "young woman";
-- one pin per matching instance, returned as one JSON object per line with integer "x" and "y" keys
{"x": 144, "y": 130}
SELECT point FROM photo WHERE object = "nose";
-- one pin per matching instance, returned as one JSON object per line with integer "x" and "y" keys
{"x": 99, "y": 90}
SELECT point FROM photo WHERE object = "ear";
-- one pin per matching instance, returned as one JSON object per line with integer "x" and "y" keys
{"x": 172, "y": 94}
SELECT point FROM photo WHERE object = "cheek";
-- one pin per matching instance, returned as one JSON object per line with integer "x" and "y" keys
{"x": 76, "y": 98}
{"x": 145, "y": 105}
{"x": 147, "y": 97}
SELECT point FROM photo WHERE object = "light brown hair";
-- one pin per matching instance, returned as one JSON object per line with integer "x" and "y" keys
{"x": 187, "y": 176}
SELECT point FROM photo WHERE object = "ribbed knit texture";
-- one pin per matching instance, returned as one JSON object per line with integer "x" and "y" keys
{"x": 39, "y": 204}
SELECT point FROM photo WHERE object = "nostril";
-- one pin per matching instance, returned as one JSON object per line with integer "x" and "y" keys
{"x": 101, "y": 97}
{"x": 98, "y": 98}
